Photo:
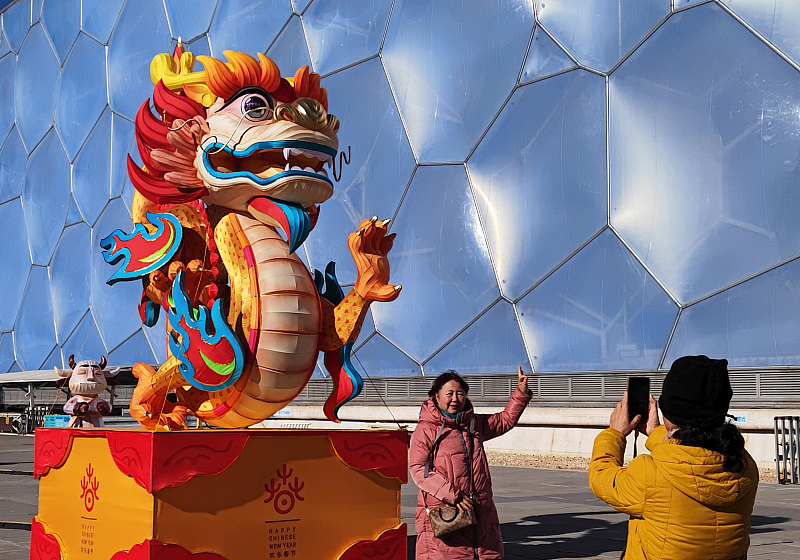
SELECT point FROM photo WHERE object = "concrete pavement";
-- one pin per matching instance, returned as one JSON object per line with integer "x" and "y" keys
{"x": 552, "y": 514}
{"x": 544, "y": 513}
{"x": 18, "y": 495}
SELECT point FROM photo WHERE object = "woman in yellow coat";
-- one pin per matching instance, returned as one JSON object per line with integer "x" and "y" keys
{"x": 692, "y": 497}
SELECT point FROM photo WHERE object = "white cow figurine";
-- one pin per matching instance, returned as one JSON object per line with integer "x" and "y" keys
{"x": 86, "y": 381}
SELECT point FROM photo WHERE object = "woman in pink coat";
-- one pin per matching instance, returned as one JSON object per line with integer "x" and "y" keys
{"x": 444, "y": 426}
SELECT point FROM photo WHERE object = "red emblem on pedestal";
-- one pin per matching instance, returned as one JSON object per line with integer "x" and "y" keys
{"x": 89, "y": 487}
{"x": 284, "y": 498}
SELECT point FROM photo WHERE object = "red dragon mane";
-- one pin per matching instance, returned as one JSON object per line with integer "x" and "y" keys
{"x": 151, "y": 133}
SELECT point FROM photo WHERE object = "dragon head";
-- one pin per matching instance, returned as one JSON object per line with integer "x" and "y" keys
{"x": 237, "y": 135}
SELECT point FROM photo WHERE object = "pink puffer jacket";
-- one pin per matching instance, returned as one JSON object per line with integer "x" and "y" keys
{"x": 449, "y": 475}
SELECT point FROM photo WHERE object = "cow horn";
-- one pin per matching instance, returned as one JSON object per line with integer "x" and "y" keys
{"x": 103, "y": 362}
{"x": 71, "y": 361}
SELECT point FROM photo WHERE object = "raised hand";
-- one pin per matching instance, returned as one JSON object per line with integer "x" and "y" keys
{"x": 369, "y": 247}
{"x": 652, "y": 418}
{"x": 522, "y": 382}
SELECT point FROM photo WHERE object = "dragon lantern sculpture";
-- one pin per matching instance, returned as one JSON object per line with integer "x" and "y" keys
{"x": 234, "y": 154}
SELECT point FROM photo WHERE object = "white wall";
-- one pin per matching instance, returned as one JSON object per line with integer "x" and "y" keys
{"x": 541, "y": 431}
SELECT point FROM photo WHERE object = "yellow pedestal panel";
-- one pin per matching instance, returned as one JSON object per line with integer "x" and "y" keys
{"x": 219, "y": 494}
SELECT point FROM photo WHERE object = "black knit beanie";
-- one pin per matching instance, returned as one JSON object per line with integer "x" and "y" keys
{"x": 696, "y": 392}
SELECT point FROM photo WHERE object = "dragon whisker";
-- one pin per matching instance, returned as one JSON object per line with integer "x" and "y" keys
{"x": 346, "y": 159}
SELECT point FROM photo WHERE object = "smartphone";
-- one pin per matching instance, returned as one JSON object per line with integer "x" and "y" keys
{"x": 638, "y": 397}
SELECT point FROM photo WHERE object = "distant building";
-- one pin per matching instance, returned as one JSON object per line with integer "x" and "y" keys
{"x": 579, "y": 186}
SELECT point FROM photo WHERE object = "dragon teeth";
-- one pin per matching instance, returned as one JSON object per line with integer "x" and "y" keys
{"x": 321, "y": 156}
{"x": 322, "y": 172}
{"x": 326, "y": 159}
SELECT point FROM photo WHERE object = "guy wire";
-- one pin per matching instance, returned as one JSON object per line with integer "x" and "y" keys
{"x": 218, "y": 150}
{"x": 379, "y": 394}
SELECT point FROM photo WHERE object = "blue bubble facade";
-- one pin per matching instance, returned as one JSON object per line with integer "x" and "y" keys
{"x": 576, "y": 185}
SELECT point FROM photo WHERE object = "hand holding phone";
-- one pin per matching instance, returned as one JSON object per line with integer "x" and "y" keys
{"x": 638, "y": 397}
{"x": 619, "y": 417}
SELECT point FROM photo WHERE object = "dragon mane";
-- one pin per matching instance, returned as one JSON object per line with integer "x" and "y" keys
{"x": 167, "y": 141}
{"x": 181, "y": 95}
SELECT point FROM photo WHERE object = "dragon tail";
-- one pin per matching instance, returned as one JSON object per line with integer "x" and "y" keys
{"x": 347, "y": 382}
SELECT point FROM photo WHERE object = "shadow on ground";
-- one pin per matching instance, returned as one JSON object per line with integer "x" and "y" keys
{"x": 580, "y": 535}
{"x": 576, "y": 535}
{"x": 766, "y": 524}
{"x": 558, "y": 535}
{"x": 571, "y": 535}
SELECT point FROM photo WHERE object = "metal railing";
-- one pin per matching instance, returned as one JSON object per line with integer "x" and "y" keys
{"x": 752, "y": 388}
{"x": 787, "y": 449}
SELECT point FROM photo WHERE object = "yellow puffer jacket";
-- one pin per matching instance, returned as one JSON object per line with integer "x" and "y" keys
{"x": 683, "y": 504}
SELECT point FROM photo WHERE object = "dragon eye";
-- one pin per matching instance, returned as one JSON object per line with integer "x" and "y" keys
{"x": 256, "y": 107}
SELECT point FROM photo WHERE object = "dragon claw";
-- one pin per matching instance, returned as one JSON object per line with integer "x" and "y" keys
{"x": 370, "y": 245}
{"x": 145, "y": 402}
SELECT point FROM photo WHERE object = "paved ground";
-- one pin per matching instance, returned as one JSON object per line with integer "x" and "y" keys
{"x": 18, "y": 496}
{"x": 551, "y": 514}
{"x": 545, "y": 514}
